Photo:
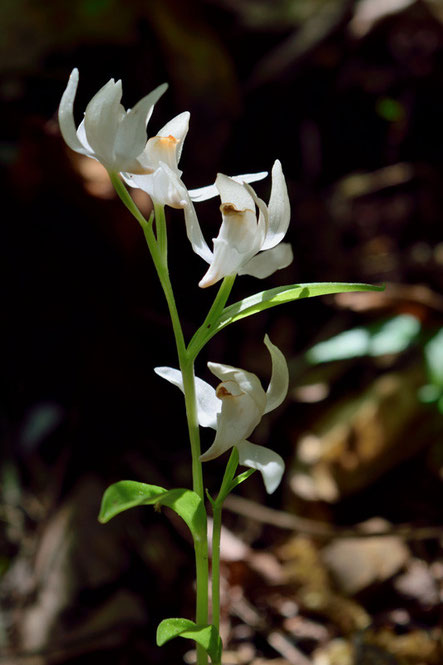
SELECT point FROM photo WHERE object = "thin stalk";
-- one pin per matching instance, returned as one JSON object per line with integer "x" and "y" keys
{"x": 187, "y": 370}
{"x": 201, "y": 540}
{"x": 199, "y": 339}
{"x": 160, "y": 227}
{"x": 159, "y": 260}
{"x": 126, "y": 198}
{"x": 217, "y": 507}
{"x": 158, "y": 249}
{"x": 215, "y": 570}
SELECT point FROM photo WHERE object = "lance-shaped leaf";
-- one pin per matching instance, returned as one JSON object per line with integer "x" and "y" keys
{"x": 207, "y": 635}
{"x": 270, "y": 298}
{"x": 128, "y": 493}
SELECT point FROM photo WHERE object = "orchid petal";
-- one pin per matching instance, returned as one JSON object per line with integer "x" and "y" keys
{"x": 279, "y": 383}
{"x": 102, "y": 117}
{"x": 208, "y": 405}
{"x": 238, "y": 418}
{"x": 234, "y": 193}
{"x": 168, "y": 188}
{"x": 226, "y": 262}
{"x": 266, "y": 263}
{"x": 81, "y": 134}
{"x": 269, "y": 463}
{"x": 139, "y": 181}
{"x": 247, "y": 381}
{"x": 130, "y": 139}
{"x": 237, "y": 241}
{"x": 161, "y": 149}
{"x": 279, "y": 208}
{"x": 263, "y": 219}
{"x": 194, "y": 233}
{"x": 163, "y": 186}
{"x": 210, "y": 191}
{"x": 66, "y": 115}
{"x": 178, "y": 128}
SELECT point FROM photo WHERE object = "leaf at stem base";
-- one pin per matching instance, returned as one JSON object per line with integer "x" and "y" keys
{"x": 207, "y": 636}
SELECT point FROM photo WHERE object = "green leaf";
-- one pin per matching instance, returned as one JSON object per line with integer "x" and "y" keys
{"x": 207, "y": 636}
{"x": 272, "y": 297}
{"x": 283, "y": 294}
{"x": 241, "y": 479}
{"x": 129, "y": 493}
{"x": 230, "y": 470}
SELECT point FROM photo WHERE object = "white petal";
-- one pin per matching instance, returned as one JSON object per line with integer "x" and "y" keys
{"x": 218, "y": 448}
{"x": 238, "y": 240}
{"x": 203, "y": 193}
{"x": 247, "y": 381}
{"x": 210, "y": 191}
{"x": 161, "y": 149}
{"x": 279, "y": 208}
{"x": 265, "y": 263}
{"x": 194, "y": 233}
{"x": 250, "y": 177}
{"x": 168, "y": 189}
{"x": 163, "y": 186}
{"x": 279, "y": 383}
{"x": 144, "y": 182}
{"x": 234, "y": 192}
{"x": 238, "y": 418}
{"x": 226, "y": 262}
{"x": 81, "y": 133}
{"x": 131, "y": 137}
{"x": 263, "y": 218}
{"x": 269, "y": 463}
{"x": 178, "y": 128}
{"x": 208, "y": 405}
{"x": 66, "y": 115}
{"x": 102, "y": 117}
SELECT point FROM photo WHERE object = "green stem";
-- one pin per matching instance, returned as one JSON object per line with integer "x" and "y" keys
{"x": 216, "y": 534}
{"x": 217, "y": 507}
{"x": 199, "y": 339}
{"x": 160, "y": 226}
{"x": 126, "y": 198}
{"x": 187, "y": 370}
{"x": 158, "y": 250}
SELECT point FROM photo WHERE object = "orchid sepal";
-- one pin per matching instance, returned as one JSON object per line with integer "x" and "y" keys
{"x": 108, "y": 133}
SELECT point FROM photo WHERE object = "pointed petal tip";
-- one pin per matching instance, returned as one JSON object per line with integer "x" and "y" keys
{"x": 161, "y": 89}
{"x": 208, "y": 279}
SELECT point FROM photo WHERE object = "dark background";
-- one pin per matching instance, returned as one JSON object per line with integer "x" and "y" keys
{"x": 350, "y": 98}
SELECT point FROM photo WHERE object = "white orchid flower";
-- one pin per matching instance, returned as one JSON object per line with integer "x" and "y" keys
{"x": 111, "y": 135}
{"x": 235, "y": 408}
{"x": 246, "y": 245}
{"x": 163, "y": 183}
